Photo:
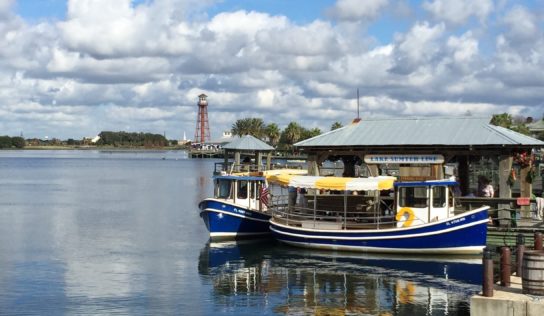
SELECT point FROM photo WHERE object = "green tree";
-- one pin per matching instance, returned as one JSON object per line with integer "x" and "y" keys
{"x": 292, "y": 133}
{"x": 5, "y": 142}
{"x": 336, "y": 125}
{"x": 249, "y": 126}
{"x": 272, "y": 131}
{"x": 516, "y": 124}
{"x": 18, "y": 142}
{"x": 309, "y": 133}
{"x": 502, "y": 120}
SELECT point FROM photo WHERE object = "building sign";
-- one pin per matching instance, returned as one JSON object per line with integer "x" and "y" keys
{"x": 404, "y": 159}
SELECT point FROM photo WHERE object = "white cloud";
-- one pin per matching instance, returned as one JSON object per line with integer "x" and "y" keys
{"x": 356, "y": 10}
{"x": 113, "y": 64}
{"x": 459, "y": 11}
{"x": 521, "y": 24}
{"x": 105, "y": 28}
{"x": 417, "y": 47}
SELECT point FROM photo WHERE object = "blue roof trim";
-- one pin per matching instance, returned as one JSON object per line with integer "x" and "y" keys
{"x": 425, "y": 183}
{"x": 246, "y": 178}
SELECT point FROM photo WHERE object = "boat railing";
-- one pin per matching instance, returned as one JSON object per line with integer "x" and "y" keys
{"x": 314, "y": 218}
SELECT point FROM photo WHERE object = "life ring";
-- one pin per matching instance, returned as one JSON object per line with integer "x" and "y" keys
{"x": 411, "y": 216}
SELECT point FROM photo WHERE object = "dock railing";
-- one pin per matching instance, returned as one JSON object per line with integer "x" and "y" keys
{"x": 503, "y": 211}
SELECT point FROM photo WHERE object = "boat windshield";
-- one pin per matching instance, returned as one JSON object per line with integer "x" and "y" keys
{"x": 413, "y": 197}
{"x": 242, "y": 189}
{"x": 439, "y": 196}
{"x": 223, "y": 188}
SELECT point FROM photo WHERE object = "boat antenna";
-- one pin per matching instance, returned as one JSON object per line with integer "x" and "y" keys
{"x": 356, "y": 120}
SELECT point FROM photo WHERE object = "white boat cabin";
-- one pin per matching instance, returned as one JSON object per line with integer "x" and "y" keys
{"x": 243, "y": 191}
{"x": 424, "y": 202}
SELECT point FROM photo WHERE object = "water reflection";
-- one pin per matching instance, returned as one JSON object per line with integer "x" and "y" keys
{"x": 264, "y": 275}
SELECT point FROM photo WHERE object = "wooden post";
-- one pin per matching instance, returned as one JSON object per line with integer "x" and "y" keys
{"x": 374, "y": 171}
{"x": 463, "y": 172}
{"x": 313, "y": 169}
{"x": 538, "y": 241}
{"x": 505, "y": 266}
{"x": 525, "y": 189}
{"x": 269, "y": 160}
{"x": 259, "y": 160}
{"x": 487, "y": 286}
{"x": 226, "y": 160}
{"x": 237, "y": 161}
{"x": 505, "y": 167}
{"x": 520, "y": 243}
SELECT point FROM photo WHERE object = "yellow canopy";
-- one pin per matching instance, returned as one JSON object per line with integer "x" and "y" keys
{"x": 333, "y": 183}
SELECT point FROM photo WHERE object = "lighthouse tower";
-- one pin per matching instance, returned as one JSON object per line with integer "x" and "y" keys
{"x": 202, "y": 131}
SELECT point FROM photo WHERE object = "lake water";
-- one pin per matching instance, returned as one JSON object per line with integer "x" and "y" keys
{"x": 90, "y": 232}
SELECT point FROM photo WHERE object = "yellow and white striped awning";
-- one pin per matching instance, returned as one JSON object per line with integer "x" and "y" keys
{"x": 333, "y": 183}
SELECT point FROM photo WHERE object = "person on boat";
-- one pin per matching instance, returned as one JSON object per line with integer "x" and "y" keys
{"x": 303, "y": 198}
{"x": 292, "y": 197}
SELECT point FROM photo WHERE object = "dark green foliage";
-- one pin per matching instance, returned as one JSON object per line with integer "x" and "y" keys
{"x": 18, "y": 142}
{"x": 249, "y": 126}
{"x": 12, "y": 142}
{"x": 336, "y": 125}
{"x": 125, "y": 139}
{"x": 516, "y": 124}
{"x": 5, "y": 142}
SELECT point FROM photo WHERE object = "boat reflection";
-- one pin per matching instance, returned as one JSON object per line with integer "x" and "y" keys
{"x": 289, "y": 280}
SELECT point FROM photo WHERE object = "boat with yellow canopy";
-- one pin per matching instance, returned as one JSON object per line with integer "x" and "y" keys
{"x": 375, "y": 214}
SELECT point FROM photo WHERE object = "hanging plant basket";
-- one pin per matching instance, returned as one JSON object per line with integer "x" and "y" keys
{"x": 524, "y": 159}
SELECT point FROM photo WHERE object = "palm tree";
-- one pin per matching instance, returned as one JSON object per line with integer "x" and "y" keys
{"x": 309, "y": 133}
{"x": 292, "y": 133}
{"x": 272, "y": 131}
{"x": 248, "y": 126}
{"x": 257, "y": 127}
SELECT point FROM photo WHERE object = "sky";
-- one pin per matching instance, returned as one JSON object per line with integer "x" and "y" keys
{"x": 71, "y": 69}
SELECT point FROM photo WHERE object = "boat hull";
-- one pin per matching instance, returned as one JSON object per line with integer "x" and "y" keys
{"x": 462, "y": 234}
{"x": 227, "y": 220}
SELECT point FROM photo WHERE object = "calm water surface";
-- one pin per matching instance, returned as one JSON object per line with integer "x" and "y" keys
{"x": 89, "y": 232}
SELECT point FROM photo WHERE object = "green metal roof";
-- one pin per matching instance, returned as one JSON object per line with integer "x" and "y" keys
{"x": 451, "y": 131}
{"x": 537, "y": 126}
{"x": 248, "y": 143}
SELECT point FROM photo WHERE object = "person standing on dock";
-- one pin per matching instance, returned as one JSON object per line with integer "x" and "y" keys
{"x": 485, "y": 189}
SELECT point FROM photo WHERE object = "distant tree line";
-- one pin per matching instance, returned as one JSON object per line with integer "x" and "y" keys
{"x": 126, "y": 139}
{"x": 12, "y": 142}
{"x": 271, "y": 133}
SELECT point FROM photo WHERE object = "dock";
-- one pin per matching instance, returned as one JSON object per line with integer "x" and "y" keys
{"x": 507, "y": 301}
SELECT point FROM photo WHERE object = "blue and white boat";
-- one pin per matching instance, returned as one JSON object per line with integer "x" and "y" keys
{"x": 238, "y": 208}
{"x": 357, "y": 214}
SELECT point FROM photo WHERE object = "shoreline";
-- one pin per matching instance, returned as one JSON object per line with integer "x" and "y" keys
{"x": 99, "y": 148}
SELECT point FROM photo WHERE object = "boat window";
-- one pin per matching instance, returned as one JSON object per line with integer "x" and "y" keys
{"x": 439, "y": 196}
{"x": 413, "y": 197}
{"x": 242, "y": 189}
{"x": 223, "y": 188}
{"x": 252, "y": 188}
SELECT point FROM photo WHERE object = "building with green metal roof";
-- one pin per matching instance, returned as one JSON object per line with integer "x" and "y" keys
{"x": 407, "y": 142}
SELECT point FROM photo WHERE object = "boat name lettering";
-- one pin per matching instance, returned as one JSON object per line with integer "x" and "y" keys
{"x": 239, "y": 211}
{"x": 455, "y": 221}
